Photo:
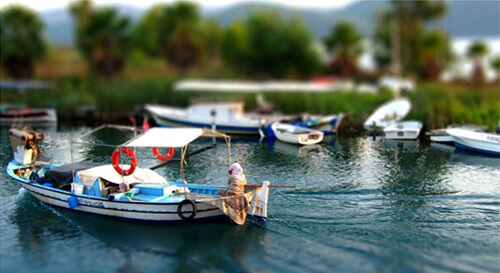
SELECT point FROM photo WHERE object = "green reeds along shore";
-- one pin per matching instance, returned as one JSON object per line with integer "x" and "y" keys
{"x": 436, "y": 105}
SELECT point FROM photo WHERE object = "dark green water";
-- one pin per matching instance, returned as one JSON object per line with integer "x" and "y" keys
{"x": 360, "y": 206}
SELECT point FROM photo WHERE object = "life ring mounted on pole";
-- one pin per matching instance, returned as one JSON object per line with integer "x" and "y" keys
{"x": 116, "y": 165}
{"x": 166, "y": 157}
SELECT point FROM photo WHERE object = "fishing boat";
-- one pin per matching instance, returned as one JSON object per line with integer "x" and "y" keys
{"x": 408, "y": 130}
{"x": 19, "y": 113}
{"x": 11, "y": 113}
{"x": 475, "y": 141}
{"x": 230, "y": 118}
{"x": 224, "y": 117}
{"x": 124, "y": 190}
{"x": 387, "y": 114}
{"x": 295, "y": 134}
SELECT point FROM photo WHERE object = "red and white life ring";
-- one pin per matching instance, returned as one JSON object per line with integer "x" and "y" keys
{"x": 167, "y": 157}
{"x": 116, "y": 165}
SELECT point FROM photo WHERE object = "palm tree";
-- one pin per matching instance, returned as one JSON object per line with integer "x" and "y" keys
{"x": 345, "y": 44}
{"x": 102, "y": 37}
{"x": 435, "y": 54}
{"x": 477, "y": 51}
{"x": 21, "y": 42}
{"x": 401, "y": 32}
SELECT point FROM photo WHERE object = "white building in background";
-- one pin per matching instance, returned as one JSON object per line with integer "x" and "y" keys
{"x": 461, "y": 69}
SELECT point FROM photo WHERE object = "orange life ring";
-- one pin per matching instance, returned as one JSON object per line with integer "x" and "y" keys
{"x": 133, "y": 161}
{"x": 159, "y": 156}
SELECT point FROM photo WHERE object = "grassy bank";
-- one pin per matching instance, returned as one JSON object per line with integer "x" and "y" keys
{"x": 437, "y": 105}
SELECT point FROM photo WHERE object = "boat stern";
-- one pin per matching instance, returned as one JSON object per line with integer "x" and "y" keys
{"x": 23, "y": 145}
{"x": 257, "y": 213}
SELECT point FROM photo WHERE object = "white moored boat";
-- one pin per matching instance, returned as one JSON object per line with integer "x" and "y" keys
{"x": 20, "y": 114}
{"x": 388, "y": 114}
{"x": 440, "y": 135}
{"x": 296, "y": 134}
{"x": 408, "y": 130}
{"x": 230, "y": 118}
{"x": 475, "y": 141}
{"x": 126, "y": 191}
{"x": 223, "y": 117}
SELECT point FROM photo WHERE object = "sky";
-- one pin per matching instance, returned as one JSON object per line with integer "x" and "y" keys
{"x": 53, "y": 4}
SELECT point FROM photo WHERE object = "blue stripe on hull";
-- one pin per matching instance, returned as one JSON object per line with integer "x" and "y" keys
{"x": 164, "y": 122}
{"x": 221, "y": 217}
{"x": 465, "y": 147}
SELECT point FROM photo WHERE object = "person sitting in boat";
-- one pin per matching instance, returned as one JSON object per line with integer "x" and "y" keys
{"x": 236, "y": 181}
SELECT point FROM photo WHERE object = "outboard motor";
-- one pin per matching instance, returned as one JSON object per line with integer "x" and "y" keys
{"x": 24, "y": 145}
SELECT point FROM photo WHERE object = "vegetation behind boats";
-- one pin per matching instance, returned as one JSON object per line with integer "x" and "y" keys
{"x": 436, "y": 105}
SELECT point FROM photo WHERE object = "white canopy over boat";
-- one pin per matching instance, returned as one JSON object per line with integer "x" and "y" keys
{"x": 166, "y": 137}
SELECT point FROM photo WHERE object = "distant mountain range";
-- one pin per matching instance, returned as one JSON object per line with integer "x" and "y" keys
{"x": 478, "y": 19}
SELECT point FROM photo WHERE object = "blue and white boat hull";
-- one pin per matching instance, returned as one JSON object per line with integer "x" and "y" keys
{"x": 475, "y": 141}
{"x": 125, "y": 208}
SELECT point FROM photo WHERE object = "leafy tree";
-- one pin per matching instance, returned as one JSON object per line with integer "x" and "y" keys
{"x": 477, "y": 50}
{"x": 172, "y": 31}
{"x": 345, "y": 43}
{"x": 102, "y": 37}
{"x": 21, "y": 41}
{"x": 266, "y": 45}
{"x": 212, "y": 33}
{"x": 146, "y": 33}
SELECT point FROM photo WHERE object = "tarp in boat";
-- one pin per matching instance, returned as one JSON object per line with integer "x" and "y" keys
{"x": 107, "y": 172}
{"x": 63, "y": 175}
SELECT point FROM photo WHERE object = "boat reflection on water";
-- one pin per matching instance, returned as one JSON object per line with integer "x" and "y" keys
{"x": 443, "y": 147}
{"x": 406, "y": 144}
{"x": 38, "y": 225}
{"x": 295, "y": 150}
{"x": 474, "y": 158}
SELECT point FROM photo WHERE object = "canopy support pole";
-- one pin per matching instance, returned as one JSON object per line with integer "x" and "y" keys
{"x": 206, "y": 148}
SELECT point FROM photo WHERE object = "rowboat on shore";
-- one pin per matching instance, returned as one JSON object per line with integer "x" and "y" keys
{"x": 387, "y": 114}
{"x": 124, "y": 190}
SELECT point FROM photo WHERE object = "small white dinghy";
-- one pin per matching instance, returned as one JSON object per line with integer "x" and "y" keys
{"x": 295, "y": 134}
{"x": 387, "y": 114}
{"x": 409, "y": 130}
{"x": 475, "y": 141}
